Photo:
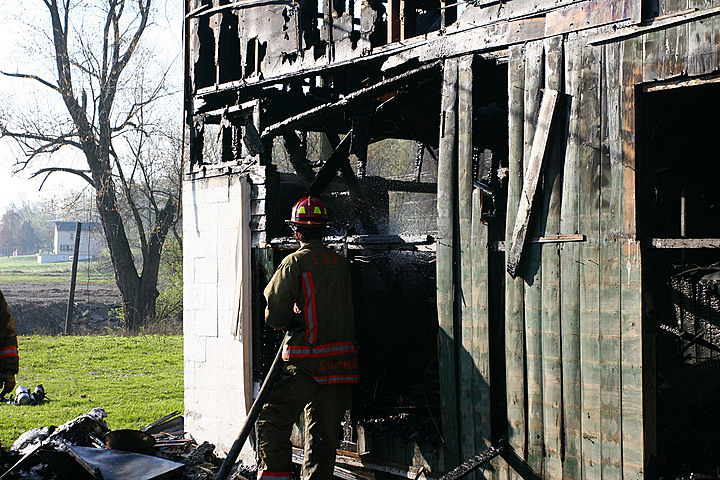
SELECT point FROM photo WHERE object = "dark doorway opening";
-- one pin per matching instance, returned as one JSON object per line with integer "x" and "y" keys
{"x": 678, "y": 200}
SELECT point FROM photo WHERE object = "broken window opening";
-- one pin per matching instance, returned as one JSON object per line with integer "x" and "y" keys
{"x": 229, "y": 61}
{"x": 678, "y": 205}
{"x": 203, "y": 53}
{"x": 254, "y": 56}
{"x": 212, "y": 144}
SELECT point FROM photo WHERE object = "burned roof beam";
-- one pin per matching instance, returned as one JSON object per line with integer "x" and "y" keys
{"x": 303, "y": 120}
{"x": 330, "y": 168}
{"x": 381, "y": 53}
{"x": 297, "y": 152}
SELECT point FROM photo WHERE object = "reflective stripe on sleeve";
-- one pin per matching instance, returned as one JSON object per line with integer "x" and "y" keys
{"x": 326, "y": 350}
{"x": 309, "y": 310}
{"x": 337, "y": 379}
{"x": 274, "y": 475}
{"x": 8, "y": 352}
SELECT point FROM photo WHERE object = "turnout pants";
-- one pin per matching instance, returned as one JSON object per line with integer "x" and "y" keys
{"x": 324, "y": 407}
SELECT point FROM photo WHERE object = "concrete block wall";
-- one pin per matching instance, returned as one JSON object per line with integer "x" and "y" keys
{"x": 214, "y": 394}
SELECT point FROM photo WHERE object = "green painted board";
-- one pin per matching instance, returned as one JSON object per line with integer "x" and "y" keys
{"x": 464, "y": 261}
{"x": 631, "y": 370}
{"x": 589, "y": 149}
{"x": 514, "y": 309}
{"x": 531, "y": 266}
{"x": 447, "y": 178}
{"x": 610, "y": 288}
{"x": 481, "y": 330}
{"x": 551, "y": 331}
{"x": 570, "y": 267}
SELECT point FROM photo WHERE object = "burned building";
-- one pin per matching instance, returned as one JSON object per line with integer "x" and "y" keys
{"x": 525, "y": 192}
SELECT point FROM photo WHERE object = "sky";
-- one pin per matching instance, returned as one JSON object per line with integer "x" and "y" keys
{"x": 16, "y": 40}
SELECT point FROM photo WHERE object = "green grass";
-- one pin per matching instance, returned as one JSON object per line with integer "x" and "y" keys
{"x": 135, "y": 379}
{"x": 25, "y": 269}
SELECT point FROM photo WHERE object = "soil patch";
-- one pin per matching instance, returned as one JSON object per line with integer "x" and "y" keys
{"x": 41, "y": 309}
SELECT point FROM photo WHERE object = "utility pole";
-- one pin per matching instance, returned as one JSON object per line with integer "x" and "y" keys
{"x": 71, "y": 300}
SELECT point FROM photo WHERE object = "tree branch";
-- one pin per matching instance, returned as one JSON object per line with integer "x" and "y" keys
{"x": 81, "y": 173}
{"x": 60, "y": 140}
{"x": 32, "y": 77}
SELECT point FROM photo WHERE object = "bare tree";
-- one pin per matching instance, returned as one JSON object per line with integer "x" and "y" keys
{"x": 107, "y": 116}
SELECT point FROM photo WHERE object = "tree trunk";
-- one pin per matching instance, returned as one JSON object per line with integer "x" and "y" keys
{"x": 139, "y": 292}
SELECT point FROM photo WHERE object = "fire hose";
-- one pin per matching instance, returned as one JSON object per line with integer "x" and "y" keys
{"x": 252, "y": 416}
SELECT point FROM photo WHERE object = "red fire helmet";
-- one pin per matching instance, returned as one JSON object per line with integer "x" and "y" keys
{"x": 309, "y": 211}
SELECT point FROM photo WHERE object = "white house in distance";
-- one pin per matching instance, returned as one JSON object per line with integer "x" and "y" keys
{"x": 91, "y": 242}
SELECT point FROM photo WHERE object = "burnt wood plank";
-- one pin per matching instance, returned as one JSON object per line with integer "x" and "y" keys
{"x": 701, "y": 47}
{"x": 464, "y": 293}
{"x": 651, "y": 55}
{"x": 680, "y": 18}
{"x": 610, "y": 288}
{"x": 531, "y": 270}
{"x": 551, "y": 328}
{"x": 682, "y": 242}
{"x": 447, "y": 181}
{"x": 319, "y": 113}
{"x": 588, "y": 130}
{"x": 532, "y": 174}
{"x": 481, "y": 327}
{"x": 570, "y": 267}
{"x": 698, "y": 41}
{"x": 514, "y": 288}
{"x": 633, "y": 432}
{"x": 297, "y": 153}
{"x": 583, "y": 15}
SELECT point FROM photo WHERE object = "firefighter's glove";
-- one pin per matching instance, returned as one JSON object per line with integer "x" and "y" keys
{"x": 7, "y": 382}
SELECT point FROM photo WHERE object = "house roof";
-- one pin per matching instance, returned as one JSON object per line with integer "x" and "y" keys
{"x": 71, "y": 226}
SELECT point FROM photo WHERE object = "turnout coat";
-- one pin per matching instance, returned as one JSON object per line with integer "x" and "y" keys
{"x": 9, "y": 360}
{"x": 310, "y": 296}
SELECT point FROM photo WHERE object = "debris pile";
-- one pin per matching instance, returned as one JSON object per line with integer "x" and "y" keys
{"x": 85, "y": 448}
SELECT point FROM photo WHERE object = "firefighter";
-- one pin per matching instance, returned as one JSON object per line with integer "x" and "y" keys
{"x": 309, "y": 297}
{"x": 8, "y": 349}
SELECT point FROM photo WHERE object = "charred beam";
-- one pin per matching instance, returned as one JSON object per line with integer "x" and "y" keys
{"x": 359, "y": 141}
{"x": 419, "y": 157}
{"x": 297, "y": 152}
{"x": 308, "y": 118}
{"x": 251, "y": 138}
{"x": 330, "y": 168}
{"x": 537, "y": 153}
{"x": 413, "y": 186}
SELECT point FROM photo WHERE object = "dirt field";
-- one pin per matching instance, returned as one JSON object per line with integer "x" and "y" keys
{"x": 41, "y": 309}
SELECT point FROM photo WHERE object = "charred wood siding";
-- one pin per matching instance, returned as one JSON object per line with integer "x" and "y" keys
{"x": 575, "y": 366}
{"x": 578, "y": 376}
{"x": 596, "y": 424}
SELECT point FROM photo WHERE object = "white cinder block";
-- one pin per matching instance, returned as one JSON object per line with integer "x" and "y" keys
{"x": 217, "y": 189}
{"x": 211, "y": 297}
{"x": 227, "y": 243}
{"x": 206, "y": 324}
{"x": 214, "y": 392}
{"x": 195, "y": 296}
{"x": 195, "y": 350}
{"x": 205, "y": 270}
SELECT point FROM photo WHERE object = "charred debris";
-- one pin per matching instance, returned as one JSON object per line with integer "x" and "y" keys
{"x": 85, "y": 448}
